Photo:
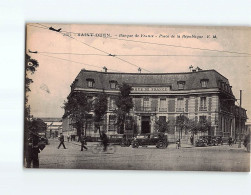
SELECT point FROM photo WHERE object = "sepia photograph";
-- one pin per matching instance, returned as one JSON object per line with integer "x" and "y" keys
{"x": 137, "y": 97}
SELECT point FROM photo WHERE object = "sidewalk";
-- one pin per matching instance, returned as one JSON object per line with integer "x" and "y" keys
{"x": 183, "y": 145}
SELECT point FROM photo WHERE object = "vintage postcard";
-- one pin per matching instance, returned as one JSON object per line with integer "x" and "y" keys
{"x": 137, "y": 97}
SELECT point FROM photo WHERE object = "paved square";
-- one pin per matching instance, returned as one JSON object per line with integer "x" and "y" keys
{"x": 215, "y": 158}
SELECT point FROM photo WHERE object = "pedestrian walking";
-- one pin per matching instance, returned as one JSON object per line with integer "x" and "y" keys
{"x": 61, "y": 139}
{"x": 68, "y": 138}
{"x": 83, "y": 142}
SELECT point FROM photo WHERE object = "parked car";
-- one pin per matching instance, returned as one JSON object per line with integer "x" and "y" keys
{"x": 127, "y": 140}
{"x": 121, "y": 139}
{"x": 201, "y": 142}
{"x": 210, "y": 140}
{"x": 115, "y": 139}
{"x": 158, "y": 139}
{"x": 219, "y": 140}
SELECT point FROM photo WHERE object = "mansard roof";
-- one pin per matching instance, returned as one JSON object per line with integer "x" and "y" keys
{"x": 192, "y": 80}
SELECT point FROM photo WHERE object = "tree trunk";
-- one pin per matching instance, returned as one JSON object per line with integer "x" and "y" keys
{"x": 85, "y": 128}
{"x": 99, "y": 131}
{"x": 79, "y": 130}
{"x": 193, "y": 139}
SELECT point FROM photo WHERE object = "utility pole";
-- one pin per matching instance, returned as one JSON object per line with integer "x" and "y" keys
{"x": 239, "y": 145}
{"x": 191, "y": 68}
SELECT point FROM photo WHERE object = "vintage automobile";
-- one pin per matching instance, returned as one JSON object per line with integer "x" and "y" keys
{"x": 127, "y": 140}
{"x": 158, "y": 139}
{"x": 115, "y": 139}
{"x": 120, "y": 139}
{"x": 219, "y": 140}
{"x": 201, "y": 142}
{"x": 210, "y": 140}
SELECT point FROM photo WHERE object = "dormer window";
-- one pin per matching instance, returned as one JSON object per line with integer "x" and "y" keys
{"x": 90, "y": 83}
{"x": 204, "y": 83}
{"x": 230, "y": 89}
{"x": 181, "y": 85}
{"x": 113, "y": 84}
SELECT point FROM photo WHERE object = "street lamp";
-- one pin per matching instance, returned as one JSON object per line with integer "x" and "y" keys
{"x": 240, "y": 127}
{"x": 181, "y": 121}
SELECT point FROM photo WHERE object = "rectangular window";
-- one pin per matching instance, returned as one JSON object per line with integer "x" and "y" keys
{"x": 113, "y": 84}
{"x": 129, "y": 123}
{"x": 180, "y": 105}
{"x": 203, "y": 104}
{"x": 202, "y": 119}
{"x": 89, "y": 123}
{"x": 90, "y": 101}
{"x": 90, "y": 83}
{"x": 112, "y": 123}
{"x": 181, "y": 85}
{"x": 112, "y": 103}
{"x": 204, "y": 83}
{"x": 162, "y": 118}
{"x": 146, "y": 104}
{"x": 163, "y": 105}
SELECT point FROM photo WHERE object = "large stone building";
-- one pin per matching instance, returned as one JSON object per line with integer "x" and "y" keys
{"x": 199, "y": 95}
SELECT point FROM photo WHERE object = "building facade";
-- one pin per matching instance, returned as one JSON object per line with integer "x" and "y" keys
{"x": 199, "y": 95}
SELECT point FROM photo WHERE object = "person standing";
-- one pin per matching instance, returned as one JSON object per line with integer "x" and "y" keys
{"x": 178, "y": 144}
{"x": 68, "y": 137}
{"x": 191, "y": 139}
{"x": 83, "y": 143}
{"x": 61, "y": 139}
{"x": 104, "y": 139}
{"x": 33, "y": 150}
{"x": 230, "y": 141}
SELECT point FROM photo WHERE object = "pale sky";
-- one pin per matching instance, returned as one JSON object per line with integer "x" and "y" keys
{"x": 53, "y": 77}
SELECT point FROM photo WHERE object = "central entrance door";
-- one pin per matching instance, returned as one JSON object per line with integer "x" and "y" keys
{"x": 145, "y": 124}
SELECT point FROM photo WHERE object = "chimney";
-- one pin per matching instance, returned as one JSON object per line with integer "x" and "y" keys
{"x": 191, "y": 68}
{"x": 105, "y": 69}
{"x": 198, "y": 68}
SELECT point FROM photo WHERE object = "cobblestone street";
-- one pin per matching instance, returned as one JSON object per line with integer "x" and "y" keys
{"x": 215, "y": 158}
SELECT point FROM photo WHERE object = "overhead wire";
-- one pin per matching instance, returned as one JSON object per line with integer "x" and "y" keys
{"x": 101, "y": 50}
{"x": 139, "y": 55}
{"x": 144, "y": 55}
{"x": 185, "y": 47}
{"x": 60, "y": 30}
{"x": 76, "y": 62}
{"x": 84, "y": 54}
{"x": 169, "y": 45}
{"x": 109, "y": 54}
{"x": 36, "y": 26}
